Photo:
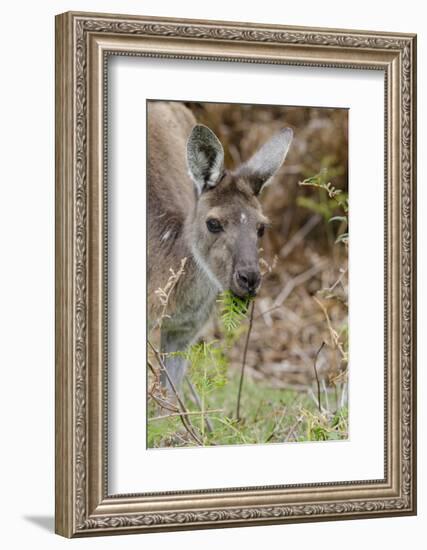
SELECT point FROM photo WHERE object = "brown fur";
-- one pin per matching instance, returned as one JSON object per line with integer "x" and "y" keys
{"x": 170, "y": 193}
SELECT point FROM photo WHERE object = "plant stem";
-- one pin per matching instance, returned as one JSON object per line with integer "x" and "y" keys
{"x": 209, "y": 427}
{"x": 188, "y": 413}
{"x": 317, "y": 376}
{"x": 185, "y": 421}
{"x": 242, "y": 372}
{"x": 202, "y": 402}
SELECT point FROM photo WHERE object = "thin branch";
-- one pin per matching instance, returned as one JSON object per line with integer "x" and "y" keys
{"x": 277, "y": 424}
{"x": 164, "y": 369}
{"x": 325, "y": 393}
{"x": 299, "y": 236}
{"x": 242, "y": 372}
{"x": 269, "y": 310}
{"x": 293, "y": 428}
{"x": 185, "y": 421}
{"x": 196, "y": 397}
{"x": 338, "y": 281}
{"x": 233, "y": 428}
{"x": 334, "y": 335}
{"x": 159, "y": 399}
{"x": 296, "y": 281}
{"x": 343, "y": 395}
{"x": 153, "y": 370}
{"x": 163, "y": 403}
{"x": 188, "y": 413}
{"x": 317, "y": 376}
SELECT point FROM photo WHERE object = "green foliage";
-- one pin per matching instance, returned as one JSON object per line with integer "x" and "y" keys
{"x": 208, "y": 366}
{"x": 325, "y": 208}
{"x": 330, "y": 199}
{"x": 333, "y": 205}
{"x": 207, "y": 372}
{"x": 161, "y": 430}
{"x": 233, "y": 310}
{"x": 320, "y": 181}
{"x": 269, "y": 415}
{"x": 325, "y": 426}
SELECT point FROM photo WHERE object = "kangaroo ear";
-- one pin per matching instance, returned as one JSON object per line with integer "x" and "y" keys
{"x": 260, "y": 169}
{"x": 205, "y": 158}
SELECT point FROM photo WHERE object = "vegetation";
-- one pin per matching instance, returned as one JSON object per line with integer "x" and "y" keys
{"x": 273, "y": 369}
{"x": 269, "y": 415}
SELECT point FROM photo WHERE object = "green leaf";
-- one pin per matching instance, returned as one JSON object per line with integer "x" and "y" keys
{"x": 234, "y": 310}
{"x": 208, "y": 366}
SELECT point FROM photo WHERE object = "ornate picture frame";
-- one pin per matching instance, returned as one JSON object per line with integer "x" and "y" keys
{"x": 83, "y": 44}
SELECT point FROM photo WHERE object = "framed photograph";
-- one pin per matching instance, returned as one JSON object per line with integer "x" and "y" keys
{"x": 235, "y": 274}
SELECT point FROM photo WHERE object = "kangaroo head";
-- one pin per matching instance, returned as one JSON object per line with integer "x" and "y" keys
{"x": 227, "y": 221}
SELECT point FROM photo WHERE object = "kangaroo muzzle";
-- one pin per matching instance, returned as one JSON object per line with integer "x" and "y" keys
{"x": 246, "y": 281}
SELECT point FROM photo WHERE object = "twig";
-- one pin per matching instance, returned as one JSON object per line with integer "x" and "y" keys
{"x": 343, "y": 395}
{"x": 160, "y": 400}
{"x": 165, "y": 293}
{"x": 277, "y": 424}
{"x": 242, "y": 372}
{"x": 269, "y": 310}
{"x": 233, "y": 428}
{"x": 264, "y": 304}
{"x": 299, "y": 236}
{"x": 325, "y": 393}
{"x": 296, "y": 281}
{"x": 163, "y": 403}
{"x": 292, "y": 428}
{"x": 336, "y": 396}
{"x": 196, "y": 397}
{"x": 164, "y": 369}
{"x": 258, "y": 409}
{"x": 188, "y": 413}
{"x": 338, "y": 281}
{"x": 310, "y": 393}
{"x": 317, "y": 377}
{"x": 153, "y": 370}
{"x": 185, "y": 421}
{"x": 334, "y": 335}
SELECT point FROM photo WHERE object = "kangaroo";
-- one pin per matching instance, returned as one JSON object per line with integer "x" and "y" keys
{"x": 199, "y": 210}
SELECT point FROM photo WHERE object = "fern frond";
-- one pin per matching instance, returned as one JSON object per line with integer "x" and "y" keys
{"x": 233, "y": 310}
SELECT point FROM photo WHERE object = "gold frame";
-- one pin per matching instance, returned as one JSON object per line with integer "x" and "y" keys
{"x": 83, "y": 43}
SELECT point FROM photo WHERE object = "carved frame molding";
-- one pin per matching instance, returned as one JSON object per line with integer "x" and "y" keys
{"x": 83, "y": 43}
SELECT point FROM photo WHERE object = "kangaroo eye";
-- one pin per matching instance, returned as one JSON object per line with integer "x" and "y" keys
{"x": 214, "y": 225}
{"x": 261, "y": 230}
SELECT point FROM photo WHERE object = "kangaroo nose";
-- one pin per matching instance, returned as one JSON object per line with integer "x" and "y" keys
{"x": 248, "y": 280}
